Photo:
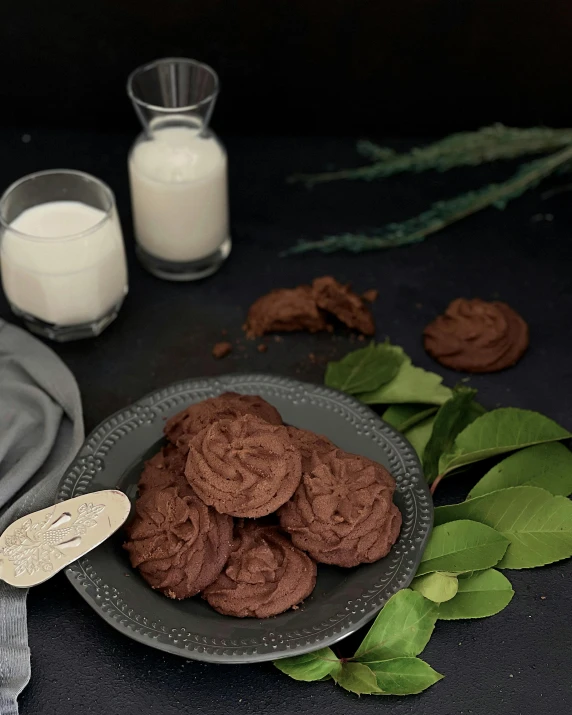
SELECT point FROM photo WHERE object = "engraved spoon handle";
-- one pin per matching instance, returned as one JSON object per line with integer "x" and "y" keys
{"x": 37, "y": 546}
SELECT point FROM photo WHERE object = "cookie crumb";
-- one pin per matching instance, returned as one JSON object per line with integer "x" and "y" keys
{"x": 370, "y": 295}
{"x": 262, "y": 348}
{"x": 361, "y": 338}
{"x": 221, "y": 350}
{"x": 278, "y": 339}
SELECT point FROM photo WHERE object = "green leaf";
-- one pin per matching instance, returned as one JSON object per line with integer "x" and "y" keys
{"x": 411, "y": 384}
{"x": 406, "y": 416}
{"x": 548, "y": 466}
{"x": 537, "y": 524}
{"x": 311, "y": 666}
{"x": 402, "y": 628}
{"x": 357, "y": 678}
{"x": 437, "y": 587}
{"x": 504, "y": 430}
{"x": 452, "y": 418}
{"x": 404, "y": 676}
{"x": 483, "y": 594}
{"x": 419, "y": 435}
{"x": 365, "y": 369}
{"x": 462, "y": 546}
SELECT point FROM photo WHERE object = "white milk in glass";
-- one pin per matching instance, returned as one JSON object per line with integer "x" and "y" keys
{"x": 54, "y": 275}
{"x": 179, "y": 194}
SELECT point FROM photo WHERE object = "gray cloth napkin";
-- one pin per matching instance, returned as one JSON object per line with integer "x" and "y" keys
{"x": 41, "y": 429}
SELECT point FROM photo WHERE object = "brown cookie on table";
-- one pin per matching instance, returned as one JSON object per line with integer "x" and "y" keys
{"x": 180, "y": 428}
{"x": 265, "y": 574}
{"x": 285, "y": 310}
{"x": 165, "y": 469}
{"x": 342, "y": 513}
{"x": 309, "y": 443}
{"x": 244, "y": 466}
{"x": 477, "y": 336}
{"x": 341, "y": 301}
{"x": 178, "y": 544}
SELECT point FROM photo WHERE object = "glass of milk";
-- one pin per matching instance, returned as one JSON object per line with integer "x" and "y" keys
{"x": 62, "y": 258}
{"x": 178, "y": 171}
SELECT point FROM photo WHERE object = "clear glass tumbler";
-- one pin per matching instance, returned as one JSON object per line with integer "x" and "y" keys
{"x": 62, "y": 258}
{"x": 178, "y": 171}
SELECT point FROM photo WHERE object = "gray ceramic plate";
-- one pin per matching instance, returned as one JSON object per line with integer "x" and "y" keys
{"x": 343, "y": 600}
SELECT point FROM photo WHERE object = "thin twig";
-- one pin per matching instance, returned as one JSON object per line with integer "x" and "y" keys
{"x": 442, "y": 213}
{"x": 436, "y": 482}
{"x": 488, "y": 144}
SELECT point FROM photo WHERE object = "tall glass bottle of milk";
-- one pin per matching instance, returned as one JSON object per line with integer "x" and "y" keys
{"x": 178, "y": 171}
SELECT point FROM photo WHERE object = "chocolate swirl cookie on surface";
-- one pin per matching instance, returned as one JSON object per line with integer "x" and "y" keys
{"x": 477, "y": 336}
{"x": 180, "y": 428}
{"x": 265, "y": 574}
{"x": 244, "y": 467}
{"x": 165, "y": 469}
{"x": 178, "y": 543}
{"x": 342, "y": 513}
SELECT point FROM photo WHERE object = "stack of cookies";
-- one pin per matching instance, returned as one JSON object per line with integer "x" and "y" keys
{"x": 240, "y": 508}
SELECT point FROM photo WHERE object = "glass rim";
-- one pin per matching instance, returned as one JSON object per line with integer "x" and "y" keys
{"x": 165, "y": 60}
{"x": 110, "y": 198}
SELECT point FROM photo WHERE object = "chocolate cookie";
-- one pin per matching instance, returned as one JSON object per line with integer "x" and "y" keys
{"x": 244, "y": 466}
{"x": 178, "y": 543}
{"x": 342, "y": 302}
{"x": 285, "y": 310}
{"x": 309, "y": 443}
{"x": 342, "y": 513}
{"x": 180, "y": 428}
{"x": 165, "y": 469}
{"x": 265, "y": 574}
{"x": 477, "y": 336}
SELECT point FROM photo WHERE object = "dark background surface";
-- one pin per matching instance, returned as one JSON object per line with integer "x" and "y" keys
{"x": 516, "y": 663}
{"x": 297, "y": 66}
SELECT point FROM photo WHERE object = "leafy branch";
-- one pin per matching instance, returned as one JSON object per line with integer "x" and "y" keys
{"x": 517, "y": 516}
{"x": 386, "y": 662}
{"x": 488, "y": 144}
{"x": 442, "y": 213}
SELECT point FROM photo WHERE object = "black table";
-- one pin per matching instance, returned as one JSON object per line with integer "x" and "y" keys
{"x": 517, "y": 662}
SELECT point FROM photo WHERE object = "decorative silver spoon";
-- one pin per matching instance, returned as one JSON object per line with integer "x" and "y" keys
{"x": 35, "y": 547}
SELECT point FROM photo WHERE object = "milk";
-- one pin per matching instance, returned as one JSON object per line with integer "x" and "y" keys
{"x": 52, "y": 274}
{"x": 179, "y": 194}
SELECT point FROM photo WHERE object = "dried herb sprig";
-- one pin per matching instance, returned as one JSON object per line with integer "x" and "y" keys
{"x": 488, "y": 144}
{"x": 442, "y": 213}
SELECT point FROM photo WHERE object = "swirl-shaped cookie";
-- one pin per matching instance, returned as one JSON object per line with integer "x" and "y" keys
{"x": 476, "y": 336}
{"x": 178, "y": 543}
{"x": 165, "y": 469}
{"x": 309, "y": 443}
{"x": 180, "y": 428}
{"x": 244, "y": 466}
{"x": 265, "y": 574}
{"x": 342, "y": 513}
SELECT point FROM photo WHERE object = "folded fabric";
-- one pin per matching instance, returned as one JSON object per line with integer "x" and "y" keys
{"x": 41, "y": 429}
